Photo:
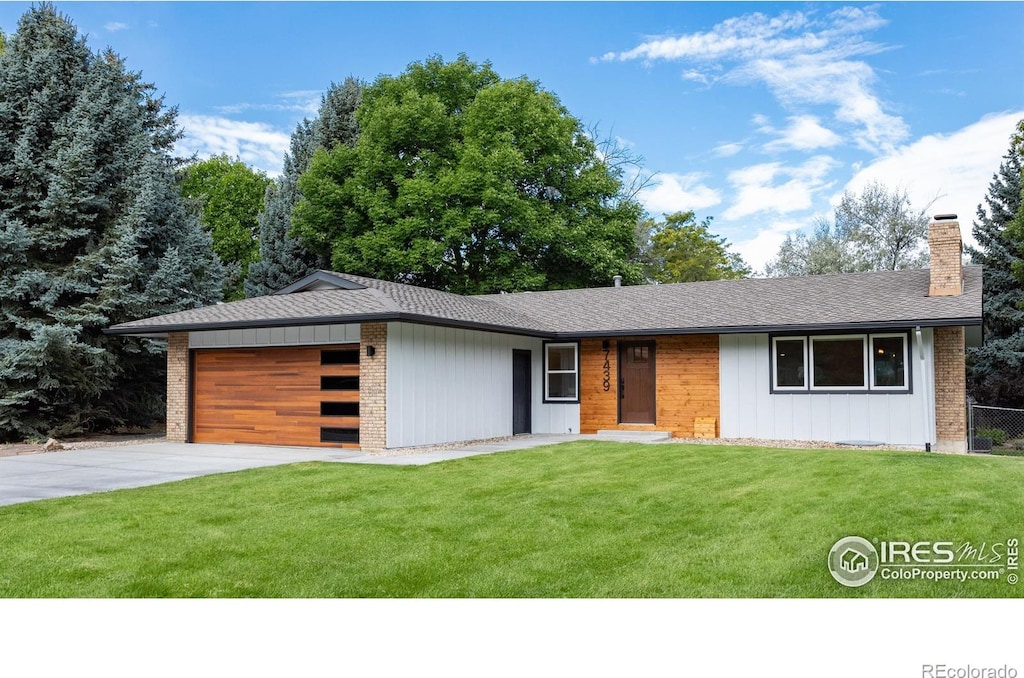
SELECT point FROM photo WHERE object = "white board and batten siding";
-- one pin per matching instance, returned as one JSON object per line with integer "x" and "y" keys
{"x": 750, "y": 410}
{"x": 304, "y": 335}
{"x": 448, "y": 385}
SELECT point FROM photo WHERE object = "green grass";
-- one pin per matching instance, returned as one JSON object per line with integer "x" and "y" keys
{"x": 582, "y": 519}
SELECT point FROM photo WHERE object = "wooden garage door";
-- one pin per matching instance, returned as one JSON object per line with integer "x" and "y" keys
{"x": 277, "y": 396}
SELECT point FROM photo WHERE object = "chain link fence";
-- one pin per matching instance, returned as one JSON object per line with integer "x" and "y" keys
{"x": 995, "y": 430}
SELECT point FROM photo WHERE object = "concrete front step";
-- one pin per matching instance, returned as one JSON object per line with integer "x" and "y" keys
{"x": 634, "y": 436}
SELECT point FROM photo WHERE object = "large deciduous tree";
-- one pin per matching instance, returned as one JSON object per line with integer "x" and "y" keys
{"x": 229, "y": 196}
{"x": 93, "y": 231}
{"x": 282, "y": 257}
{"x": 996, "y": 370}
{"x": 682, "y": 250}
{"x": 877, "y": 229}
{"x": 465, "y": 182}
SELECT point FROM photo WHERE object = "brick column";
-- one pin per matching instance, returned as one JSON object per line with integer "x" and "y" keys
{"x": 373, "y": 388}
{"x": 177, "y": 387}
{"x": 950, "y": 390}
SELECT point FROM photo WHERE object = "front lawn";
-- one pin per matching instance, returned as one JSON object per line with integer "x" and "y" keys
{"x": 584, "y": 519}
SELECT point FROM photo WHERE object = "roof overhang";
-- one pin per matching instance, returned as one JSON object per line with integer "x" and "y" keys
{"x": 162, "y": 332}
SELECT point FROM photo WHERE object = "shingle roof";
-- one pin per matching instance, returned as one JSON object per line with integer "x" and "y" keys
{"x": 877, "y": 298}
{"x": 889, "y": 298}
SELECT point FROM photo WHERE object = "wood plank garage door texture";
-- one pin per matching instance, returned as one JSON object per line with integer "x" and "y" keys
{"x": 277, "y": 396}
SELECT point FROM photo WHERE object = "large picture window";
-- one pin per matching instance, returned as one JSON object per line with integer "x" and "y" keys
{"x": 561, "y": 372}
{"x": 838, "y": 363}
{"x": 841, "y": 363}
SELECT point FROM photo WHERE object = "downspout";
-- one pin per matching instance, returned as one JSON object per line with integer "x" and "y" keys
{"x": 927, "y": 390}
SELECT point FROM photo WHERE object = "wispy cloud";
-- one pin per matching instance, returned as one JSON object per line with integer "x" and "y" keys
{"x": 776, "y": 188}
{"x": 306, "y": 102}
{"x": 804, "y": 133}
{"x": 115, "y": 26}
{"x": 803, "y": 59}
{"x": 255, "y": 143}
{"x": 677, "y": 193}
{"x": 727, "y": 150}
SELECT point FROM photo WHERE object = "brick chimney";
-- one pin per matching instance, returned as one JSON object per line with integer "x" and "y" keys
{"x": 945, "y": 249}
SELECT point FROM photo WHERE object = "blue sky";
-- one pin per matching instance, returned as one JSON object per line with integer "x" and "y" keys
{"x": 758, "y": 114}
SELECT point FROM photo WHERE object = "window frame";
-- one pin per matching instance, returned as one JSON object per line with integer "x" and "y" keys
{"x": 906, "y": 361}
{"x": 867, "y": 339}
{"x": 774, "y": 365}
{"x": 864, "y": 350}
{"x": 575, "y": 345}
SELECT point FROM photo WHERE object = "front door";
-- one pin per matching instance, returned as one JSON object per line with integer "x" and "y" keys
{"x": 636, "y": 382}
{"x": 521, "y": 397}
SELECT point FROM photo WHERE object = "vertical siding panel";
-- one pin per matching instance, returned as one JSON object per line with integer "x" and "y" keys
{"x": 767, "y": 423}
{"x": 839, "y": 417}
{"x": 859, "y": 417}
{"x": 821, "y": 416}
{"x": 728, "y": 345}
{"x": 747, "y": 385}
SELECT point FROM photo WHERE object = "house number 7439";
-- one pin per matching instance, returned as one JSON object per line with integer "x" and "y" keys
{"x": 607, "y": 382}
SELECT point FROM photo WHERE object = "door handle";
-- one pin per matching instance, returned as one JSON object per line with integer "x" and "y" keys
{"x": 622, "y": 388}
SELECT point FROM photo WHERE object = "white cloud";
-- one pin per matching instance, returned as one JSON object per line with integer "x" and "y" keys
{"x": 115, "y": 26}
{"x": 678, "y": 193}
{"x": 727, "y": 150}
{"x": 306, "y": 102}
{"x": 759, "y": 191}
{"x": 760, "y": 249}
{"x": 802, "y": 59}
{"x": 957, "y": 167}
{"x": 804, "y": 133}
{"x": 255, "y": 143}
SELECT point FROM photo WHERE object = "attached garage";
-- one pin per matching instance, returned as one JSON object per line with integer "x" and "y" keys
{"x": 303, "y": 396}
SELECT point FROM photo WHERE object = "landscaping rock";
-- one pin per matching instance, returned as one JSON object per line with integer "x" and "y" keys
{"x": 53, "y": 445}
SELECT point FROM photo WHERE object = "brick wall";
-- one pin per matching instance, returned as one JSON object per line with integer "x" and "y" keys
{"x": 945, "y": 250}
{"x": 950, "y": 390}
{"x": 177, "y": 387}
{"x": 373, "y": 386}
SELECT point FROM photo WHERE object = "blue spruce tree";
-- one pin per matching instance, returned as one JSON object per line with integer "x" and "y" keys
{"x": 995, "y": 373}
{"x": 93, "y": 231}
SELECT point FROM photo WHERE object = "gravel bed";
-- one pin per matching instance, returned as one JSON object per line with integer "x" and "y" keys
{"x": 14, "y": 449}
{"x": 402, "y": 451}
{"x": 789, "y": 444}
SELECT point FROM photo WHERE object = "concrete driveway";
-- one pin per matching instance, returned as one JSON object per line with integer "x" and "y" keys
{"x": 63, "y": 474}
{"x": 70, "y": 472}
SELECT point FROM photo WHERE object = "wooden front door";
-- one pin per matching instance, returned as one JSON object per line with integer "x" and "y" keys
{"x": 636, "y": 383}
{"x": 522, "y": 364}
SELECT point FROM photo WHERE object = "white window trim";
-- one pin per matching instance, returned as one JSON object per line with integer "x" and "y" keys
{"x": 864, "y": 348}
{"x": 906, "y": 361}
{"x": 775, "y": 370}
{"x": 575, "y": 372}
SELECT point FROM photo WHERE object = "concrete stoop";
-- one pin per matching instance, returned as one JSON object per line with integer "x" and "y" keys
{"x": 634, "y": 436}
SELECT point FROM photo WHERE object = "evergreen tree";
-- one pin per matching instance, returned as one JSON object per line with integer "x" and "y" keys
{"x": 93, "y": 231}
{"x": 996, "y": 370}
{"x": 283, "y": 259}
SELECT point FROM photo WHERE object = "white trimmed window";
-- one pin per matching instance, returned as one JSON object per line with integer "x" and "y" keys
{"x": 789, "y": 360}
{"x": 561, "y": 372}
{"x": 888, "y": 362}
{"x": 841, "y": 363}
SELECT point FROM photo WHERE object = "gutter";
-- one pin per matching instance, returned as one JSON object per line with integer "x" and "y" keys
{"x": 162, "y": 331}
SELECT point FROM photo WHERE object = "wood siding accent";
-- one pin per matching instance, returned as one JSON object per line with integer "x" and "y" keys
{"x": 687, "y": 384}
{"x": 267, "y": 396}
